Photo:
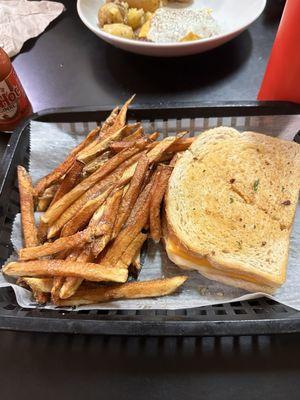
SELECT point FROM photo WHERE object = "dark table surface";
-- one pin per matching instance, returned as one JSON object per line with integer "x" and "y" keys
{"x": 69, "y": 66}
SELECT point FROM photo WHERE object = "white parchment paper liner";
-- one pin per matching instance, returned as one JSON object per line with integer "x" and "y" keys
{"x": 49, "y": 145}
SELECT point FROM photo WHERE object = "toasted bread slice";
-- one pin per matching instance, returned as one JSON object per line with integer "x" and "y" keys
{"x": 230, "y": 207}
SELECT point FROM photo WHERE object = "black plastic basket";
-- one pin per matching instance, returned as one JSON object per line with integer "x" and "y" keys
{"x": 260, "y": 316}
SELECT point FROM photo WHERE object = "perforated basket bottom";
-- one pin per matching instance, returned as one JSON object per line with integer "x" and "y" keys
{"x": 236, "y": 318}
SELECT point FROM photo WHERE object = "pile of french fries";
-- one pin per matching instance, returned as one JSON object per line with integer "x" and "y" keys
{"x": 99, "y": 207}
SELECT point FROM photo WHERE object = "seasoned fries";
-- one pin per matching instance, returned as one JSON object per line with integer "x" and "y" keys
{"x": 106, "y": 222}
{"x": 71, "y": 284}
{"x": 61, "y": 205}
{"x": 160, "y": 186}
{"x": 100, "y": 206}
{"x": 133, "y": 290}
{"x": 80, "y": 220}
{"x": 131, "y": 194}
{"x": 70, "y": 180}
{"x": 61, "y": 244}
{"x": 30, "y": 233}
{"x": 27, "y": 208}
{"x": 62, "y": 168}
{"x": 49, "y": 268}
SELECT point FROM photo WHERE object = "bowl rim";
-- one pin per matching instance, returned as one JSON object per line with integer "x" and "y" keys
{"x": 140, "y": 43}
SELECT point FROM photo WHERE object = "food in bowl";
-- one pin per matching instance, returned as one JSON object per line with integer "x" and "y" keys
{"x": 151, "y": 21}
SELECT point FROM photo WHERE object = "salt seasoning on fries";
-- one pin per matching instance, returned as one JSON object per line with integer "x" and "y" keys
{"x": 101, "y": 204}
{"x": 30, "y": 233}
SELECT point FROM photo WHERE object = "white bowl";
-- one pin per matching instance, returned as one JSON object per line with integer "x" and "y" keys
{"x": 233, "y": 16}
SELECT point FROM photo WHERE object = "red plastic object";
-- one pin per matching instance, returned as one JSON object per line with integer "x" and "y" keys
{"x": 14, "y": 104}
{"x": 282, "y": 77}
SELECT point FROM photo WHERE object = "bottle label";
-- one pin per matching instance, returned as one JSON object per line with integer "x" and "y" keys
{"x": 12, "y": 98}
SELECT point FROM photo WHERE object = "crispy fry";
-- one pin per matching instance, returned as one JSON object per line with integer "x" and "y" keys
{"x": 61, "y": 205}
{"x": 162, "y": 147}
{"x": 135, "y": 267}
{"x": 61, "y": 244}
{"x": 48, "y": 268}
{"x": 113, "y": 126}
{"x": 160, "y": 186}
{"x": 88, "y": 154}
{"x": 125, "y": 237}
{"x": 103, "y": 131}
{"x": 121, "y": 118}
{"x": 110, "y": 120}
{"x": 27, "y": 208}
{"x": 140, "y": 203}
{"x": 131, "y": 251}
{"x": 124, "y": 144}
{"x": 45, "y": 199}
{"x": 81, "y": 219}
{"x": 135, "y": 135}
{"x": 30, "y": 232}
{"x": 39, "y": 284}
{"x": 131, "y": 195}
{"x": 70, "y": 180}
{"x": 96, "y": 163}
{"x": 107, "y": 222}
{"x": 58, "y": 281}
{"x": 132, "y": 290}
{"x": 94, "y": 191}
{"x": 55, "y": 175}
{"x": 71, "y": 284}
{"x": 42, "y": 231}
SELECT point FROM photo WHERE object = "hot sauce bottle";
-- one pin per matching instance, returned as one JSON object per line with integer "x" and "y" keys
{"x": 14, "y": 104}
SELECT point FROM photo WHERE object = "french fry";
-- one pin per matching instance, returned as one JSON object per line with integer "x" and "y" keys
{"x": 163, "y": 146}
{"x": 39, "y": 296}
{"x": 135, "y": 267}
{"x": 96, "y": 163}
{"x": 71, "y": 284}
{"x": 129, "y": 233}
{"x": 55, "y": 175}
{"x": 131, "y": 251}
{"x": 58, "y": 281}
{"x": 107, "y": 222}
{"x": 43, "y": 285}
{"x": 61, "y": 244}
{"x": 80, "y": 220}
{"x": 114, "y": 132}
{"x": 138, "y": 134}
{"x": 121, "y": 118}
{"x": 70, "y": 180}
{"x": 123, "y": 145}
{"x": 132, "y": 290}
{"x": 62, "y": 204}
{"x": 88, "y": 154}
{"x": 159, "y": 189}
{"x": 131, "y": 195}
{"x": 104, "y": 129}
{"x": 42, "y": 231}
{"x": 27, "y": 208}
{"x": 110, "y": 120}
{"x": 141, "y": 203}
{"x": 30, "y": 232}
{"x": 49, "y": 268}
{"x": 94, "y": 191}
{"x": 45, "y": 199}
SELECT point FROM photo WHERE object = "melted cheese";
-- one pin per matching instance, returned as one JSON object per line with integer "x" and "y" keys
{"x": 202, "y": 265}
{"x": 177, "y": 251}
